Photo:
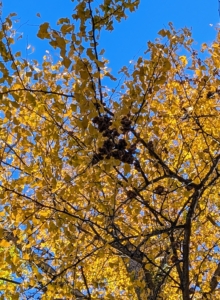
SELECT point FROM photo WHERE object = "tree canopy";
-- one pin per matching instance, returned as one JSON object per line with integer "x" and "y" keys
{"x": 109, "y": 187}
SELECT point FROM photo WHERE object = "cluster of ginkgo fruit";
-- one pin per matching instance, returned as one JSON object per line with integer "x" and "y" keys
{"x": 113, "y": 146}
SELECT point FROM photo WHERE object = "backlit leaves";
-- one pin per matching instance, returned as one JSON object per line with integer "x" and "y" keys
{"x": 109, "y": 192}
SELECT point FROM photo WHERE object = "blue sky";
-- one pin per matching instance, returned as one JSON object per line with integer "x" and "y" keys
{"x": 129, "y": 38}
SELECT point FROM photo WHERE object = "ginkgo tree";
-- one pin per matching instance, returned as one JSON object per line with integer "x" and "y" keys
{"x": 109, "y": 193}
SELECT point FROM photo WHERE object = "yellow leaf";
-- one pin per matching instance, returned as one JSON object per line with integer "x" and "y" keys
{"x": 183, "y": 59}
{"x": 4, "y": 244}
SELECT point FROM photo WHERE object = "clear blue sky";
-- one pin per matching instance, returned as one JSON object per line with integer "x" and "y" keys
{"x": 129, "y": 38}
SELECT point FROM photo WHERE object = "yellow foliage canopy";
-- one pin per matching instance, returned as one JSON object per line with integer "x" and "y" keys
{"x": 105, "y": 196}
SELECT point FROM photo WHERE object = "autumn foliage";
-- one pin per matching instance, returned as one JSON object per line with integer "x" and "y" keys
{"x": 109, "y": 193}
